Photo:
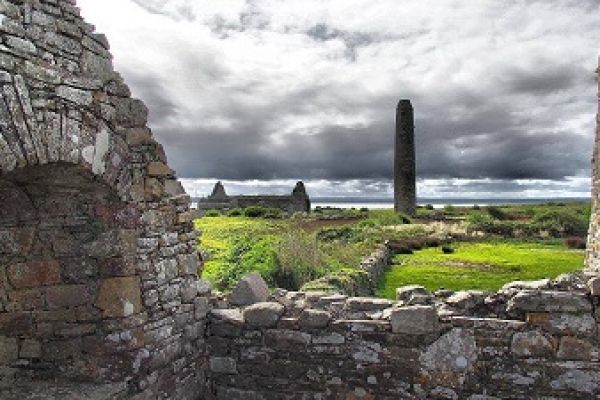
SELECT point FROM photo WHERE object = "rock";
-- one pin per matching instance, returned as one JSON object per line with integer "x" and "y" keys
{"x": 414, "y": 320}
{"x": 80, "y": 97}
{"x": 526, "y": 285}
{"x": 404, "y": 293}
{"x": 223, "y": 365}
{"x": 531, "y": 344}
{"x": 119, "y": 297}
{"x": 251, "y": 289}
{"x": 263, "y": 315}
{"x": 449, "y": 359}
{"x": 577, "y": 381}
{"x": 549, "y": 301}
{"x": 420, "y": 299}
{"x": 572, "y": 348}
{"x": 467, "y": 300}
{"x": 314, "y": 319}
{"x": 8, "y": 350}
{"x": 594, "y": 286}
{"x": 34, "y": 274}
{"x": 355, "y": 304}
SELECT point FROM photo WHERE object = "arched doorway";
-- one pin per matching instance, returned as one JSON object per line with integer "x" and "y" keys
{"x": 67, "y": 276}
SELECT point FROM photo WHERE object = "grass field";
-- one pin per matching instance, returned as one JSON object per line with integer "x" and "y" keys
{"x": 292, "y": 252}
{"x": 483, "y": 266}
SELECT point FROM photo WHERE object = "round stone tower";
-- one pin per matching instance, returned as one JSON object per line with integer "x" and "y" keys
{"x": 405, "y": 190}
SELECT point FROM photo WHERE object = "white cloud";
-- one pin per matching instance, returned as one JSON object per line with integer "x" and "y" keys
{"x": 253, "y": 86}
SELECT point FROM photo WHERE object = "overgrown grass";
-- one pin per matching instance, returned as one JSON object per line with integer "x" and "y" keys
{"x": 483, "y": 266}
{"x": 291, "y": 252}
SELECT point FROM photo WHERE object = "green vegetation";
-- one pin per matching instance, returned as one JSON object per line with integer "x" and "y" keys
{"x": 484, "y": 266}
{"x": 322, "y": 251}
{"x": 290, "y": 252}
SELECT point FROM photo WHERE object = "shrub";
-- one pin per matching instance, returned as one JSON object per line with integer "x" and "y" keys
{"x": 563, "y": 222}
{"x": 429, "y": 207}
{"x": 299, "y": 260}
{"x": 273, "y": 213}
{"x": 212, "y": 213}
{"x": 496, "y": 213}
{"x": 344, "y": 233}
{"x": 447, "y": 249}
{"x": 255, "y": 211}
{"x": 364, "y": 210}
{"x": 576, "y": 243}
{"x": 235, "y": 212}
{"x": 476, "y": 207}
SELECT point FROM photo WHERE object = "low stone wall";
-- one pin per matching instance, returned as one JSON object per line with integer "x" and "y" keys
{"x": 307, "y": 346}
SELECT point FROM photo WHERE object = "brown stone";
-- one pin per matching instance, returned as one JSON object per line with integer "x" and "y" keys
{"x": 17, "y": 323}
{"x": 34, "y": 274}
{"x": 30, "y": 349}
{"x": 26, "y": 300}
{"x": 119, "y": 297}
{"x": 157, "y": 168}
{"x": 139, "y": 136}
{"x": 67, "y": 296}
{"x": 572, "y": 348}
{"x": 8, "y": 350}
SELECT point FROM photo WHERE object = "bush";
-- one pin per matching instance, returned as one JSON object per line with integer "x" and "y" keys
{"x": 235, "y": 212}
{"x": 429, "y": 207}
{"x": 446, "y": 249}
{"x": 496, "y": 213}
{"x": 576, "y": 243}
{"x": 273, "y": 213}
{"x": 344, "y": 233}
{"x": 212, "y": 213}
{"x": 561, "y": 223}
{"x": 299, "y": 260}
{"x": 255, "y": 211}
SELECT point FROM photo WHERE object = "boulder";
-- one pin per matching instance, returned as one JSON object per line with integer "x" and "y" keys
{"x": 414, "y": 320}
{"x": 251, "y": 289}
{"x": 549, "y": 301}
{"x": 263, "y": 315}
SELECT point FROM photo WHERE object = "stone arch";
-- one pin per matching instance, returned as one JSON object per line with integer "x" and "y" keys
{"x": 98, "y": 260}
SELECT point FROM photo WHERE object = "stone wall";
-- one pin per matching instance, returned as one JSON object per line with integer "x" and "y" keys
{"x": 297, "y": 201}
{"x": 303, "y": 346}
{"x": 593, "y": 245}
{"x": 98, "y": 261}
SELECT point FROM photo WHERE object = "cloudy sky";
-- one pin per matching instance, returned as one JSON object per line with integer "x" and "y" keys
{"x": 260, "y": 93}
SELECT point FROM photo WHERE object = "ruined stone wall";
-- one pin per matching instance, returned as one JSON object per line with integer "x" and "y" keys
{"x": 308, "y": 346}
{"x": 593, "y": 245}
{"x": 98, "y": 265}
{"x": 298, "y": 201}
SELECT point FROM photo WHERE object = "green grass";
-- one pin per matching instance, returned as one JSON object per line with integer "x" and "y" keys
{"x": 480, "y": 266}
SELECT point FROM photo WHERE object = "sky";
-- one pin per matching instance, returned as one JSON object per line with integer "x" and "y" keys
{"x": 261, "y": 93}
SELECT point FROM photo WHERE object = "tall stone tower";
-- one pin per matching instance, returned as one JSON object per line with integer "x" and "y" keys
{"x": 405, "y": 198}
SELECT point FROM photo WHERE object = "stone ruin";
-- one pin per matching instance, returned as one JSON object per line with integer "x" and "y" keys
{"x": 99, "y": 290}
{"x": 405, "y": 175}
{"x": 297, "y": 201}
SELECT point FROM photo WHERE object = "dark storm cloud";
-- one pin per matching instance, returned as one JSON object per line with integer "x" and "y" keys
{"x": 489, "y": 105}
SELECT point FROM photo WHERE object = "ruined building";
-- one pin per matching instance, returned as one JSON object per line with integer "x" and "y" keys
{"x": 405, "y": 189}
{"x": 298, "y": 201}
{"x": 99, "y": 291}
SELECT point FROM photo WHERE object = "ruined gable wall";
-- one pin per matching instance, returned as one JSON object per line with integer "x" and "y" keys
{"x": 593, "y": 246}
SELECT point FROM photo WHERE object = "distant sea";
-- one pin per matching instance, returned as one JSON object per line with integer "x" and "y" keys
{"x": 382, "y": 203}
{"x": 355, "y": 202}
